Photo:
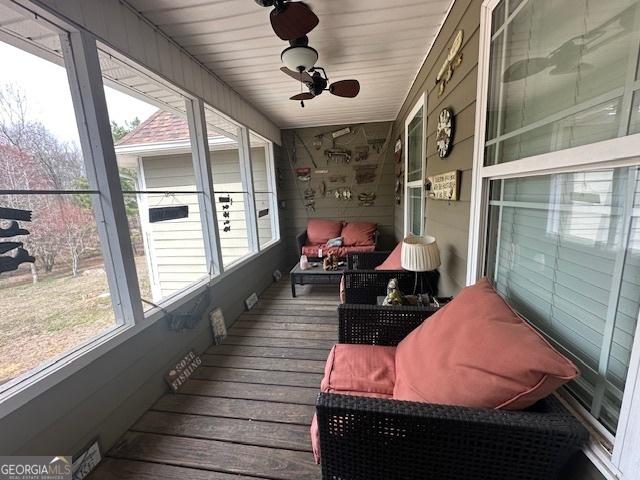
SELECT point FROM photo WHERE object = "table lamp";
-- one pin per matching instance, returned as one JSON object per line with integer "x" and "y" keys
{"x": 420, "y": 254}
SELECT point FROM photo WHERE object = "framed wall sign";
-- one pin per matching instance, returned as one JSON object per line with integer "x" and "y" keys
{"x": 444, "y": 186}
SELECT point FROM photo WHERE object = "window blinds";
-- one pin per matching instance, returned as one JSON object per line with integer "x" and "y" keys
{"x": 564, "y": 249}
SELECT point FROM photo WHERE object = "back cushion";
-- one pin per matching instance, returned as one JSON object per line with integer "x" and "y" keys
{"x": 393, "y": 261}
{"x": 477, "y": 352}
{"x": 359, "y": 233}
{"x": 320, "y": 231}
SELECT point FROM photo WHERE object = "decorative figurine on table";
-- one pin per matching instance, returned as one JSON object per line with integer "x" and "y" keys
{"x": 394, "y": 295}
{"x": 330, "y": 263}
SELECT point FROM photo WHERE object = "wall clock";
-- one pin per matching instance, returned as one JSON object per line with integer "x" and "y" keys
{"x": 444, "y": 132}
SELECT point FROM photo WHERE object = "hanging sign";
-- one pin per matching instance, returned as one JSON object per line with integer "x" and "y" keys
{"x": 161, "y": 214}
{"x": 444, "y": 186}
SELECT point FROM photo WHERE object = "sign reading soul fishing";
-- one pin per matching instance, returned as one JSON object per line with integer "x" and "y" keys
{"x": 183, "y": 370}
{"x": 444, "y": 186}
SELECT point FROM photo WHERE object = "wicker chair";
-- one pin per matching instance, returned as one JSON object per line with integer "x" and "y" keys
{"x": 363, "y": 284}
{"x": 365, "y": 438}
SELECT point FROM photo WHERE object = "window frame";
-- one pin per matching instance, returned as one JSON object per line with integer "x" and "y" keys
{"x": 621, "y": 462}
{"x": 420, "y": 104}
{"x": 273, "y": 191}
{"x": 86, "y": 83}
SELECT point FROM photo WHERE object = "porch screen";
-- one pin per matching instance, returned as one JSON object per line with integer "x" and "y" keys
{"x": 564, "y": 249}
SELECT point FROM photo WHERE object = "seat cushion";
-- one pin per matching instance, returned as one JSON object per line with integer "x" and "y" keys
{"x": 320, "y": 231}
{"x": 361, "y": 370}
{"x": 359, "y": 233}
{"x": 478, "y": 352}
{"x": 313, "y": 250}
{"x": 393, "y": 261}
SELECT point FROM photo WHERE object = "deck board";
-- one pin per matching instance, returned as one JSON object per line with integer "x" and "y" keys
{"x": 245, "y": 413}
{"x": 257, "y": 363}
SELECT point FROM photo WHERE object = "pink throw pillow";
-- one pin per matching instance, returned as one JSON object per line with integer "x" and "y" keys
{"x": 359, "y": 233}
{"x": 478, "y": 352}
{"x": 320, "y": 232}
{"x": 393, "y": 261}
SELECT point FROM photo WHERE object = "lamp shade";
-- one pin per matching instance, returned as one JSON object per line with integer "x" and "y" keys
{"x": 299, "y": 58}
{"x": 420, "y": 253}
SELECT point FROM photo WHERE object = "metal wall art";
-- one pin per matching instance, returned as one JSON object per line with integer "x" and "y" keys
{"x": 365, "y": 173}
{"x": 9, "y": 263}
{"x": 303, "y": 174}
{"x": 366, "y": 199}
{"x": 453, "y": 60}
{"x": 338, "y": 155}
{"x": 341, "y": 193}
{"x": 362, "y": 153}
{"x": 444, "y": 132}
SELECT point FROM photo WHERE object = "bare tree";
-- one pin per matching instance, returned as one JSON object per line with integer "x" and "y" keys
{"x": 32, "y": 158}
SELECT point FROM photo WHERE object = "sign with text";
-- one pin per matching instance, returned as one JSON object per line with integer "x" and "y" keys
{"x": 444, "y": 186}
{"x": 183, "y": 370}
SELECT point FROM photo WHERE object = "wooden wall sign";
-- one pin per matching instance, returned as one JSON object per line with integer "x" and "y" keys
{"x": 183, "y": 370}
{"x": 444, "y": 186}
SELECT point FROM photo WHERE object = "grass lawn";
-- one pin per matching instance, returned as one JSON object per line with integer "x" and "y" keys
{"x": 40, "y": 321}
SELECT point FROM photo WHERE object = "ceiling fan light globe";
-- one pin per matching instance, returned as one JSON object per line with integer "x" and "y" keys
{"x": 300, "y": 58}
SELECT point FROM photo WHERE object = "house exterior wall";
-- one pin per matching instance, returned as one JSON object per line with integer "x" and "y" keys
{"x": 176, "y": 247}
{"x": 448, "y": 221}
{"x": 294, "y": 216}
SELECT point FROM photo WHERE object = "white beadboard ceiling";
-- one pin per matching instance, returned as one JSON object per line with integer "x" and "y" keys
{"x": 381, "y": 43}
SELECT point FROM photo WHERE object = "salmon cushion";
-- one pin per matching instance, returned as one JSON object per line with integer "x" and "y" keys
{"x": 393, "y": 261}
{"x": 320, "y": 232}
{"x": 359, "y": 233}
{"x": 361, "y": 370}
{"x": 478, "y": 352}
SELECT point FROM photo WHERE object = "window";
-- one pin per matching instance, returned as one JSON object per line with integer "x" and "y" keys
{"x": 157, "y": 173}
{"x": 564, "y": 249}
{"x": 232, "y": 187}
{"x": 562, "y": 80}
{"x": 415, "y": 141}
{"x": 554, "y": 214}
{"x": 63, "y": 299}
{"x": 264, "y": 189}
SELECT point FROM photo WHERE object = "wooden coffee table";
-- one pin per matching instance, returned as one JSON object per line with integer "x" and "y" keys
{"x": 314, "y": 276}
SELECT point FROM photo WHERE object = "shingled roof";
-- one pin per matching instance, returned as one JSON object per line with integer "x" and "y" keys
{"x": 162, "y": 126}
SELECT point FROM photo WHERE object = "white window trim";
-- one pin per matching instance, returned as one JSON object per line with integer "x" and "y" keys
{"x": 623, "y": 462}
{"x": 421, "y": 103}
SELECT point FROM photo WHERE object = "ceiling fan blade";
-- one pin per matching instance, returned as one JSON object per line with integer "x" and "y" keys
{"x": 345, "y": 88}
{"x": 293, "y": 21}
{"x": 303, "y": 96}
{"x": 303, "y": 77}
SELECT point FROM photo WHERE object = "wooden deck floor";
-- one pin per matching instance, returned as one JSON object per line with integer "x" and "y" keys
{"x": 245, "y": 413}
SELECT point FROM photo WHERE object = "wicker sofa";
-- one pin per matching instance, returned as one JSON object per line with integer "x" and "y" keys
{"x": 365, "y": 438}
{"x": 311, "y": 251}
{"x": 363, "y": 284}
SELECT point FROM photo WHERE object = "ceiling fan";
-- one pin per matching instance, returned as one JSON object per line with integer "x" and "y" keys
{"x": 290, "y": 20}
{"x": 318, "y": 83}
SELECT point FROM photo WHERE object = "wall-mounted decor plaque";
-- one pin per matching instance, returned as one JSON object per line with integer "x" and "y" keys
{"x": 444, "y": 186}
